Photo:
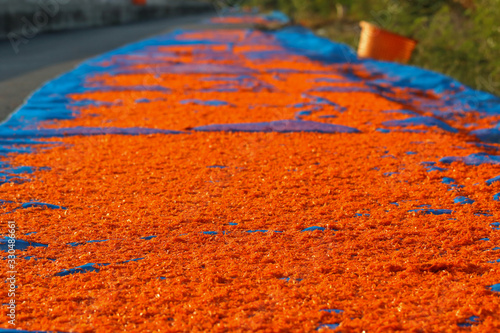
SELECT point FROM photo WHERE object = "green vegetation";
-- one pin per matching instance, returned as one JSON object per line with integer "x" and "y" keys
{"x": 460, "y": 38}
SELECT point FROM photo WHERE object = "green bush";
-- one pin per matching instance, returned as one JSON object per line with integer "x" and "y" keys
{"x": 460, "y": 38}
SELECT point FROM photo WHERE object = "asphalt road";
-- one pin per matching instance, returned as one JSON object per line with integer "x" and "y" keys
{"x": 49, "y": 55}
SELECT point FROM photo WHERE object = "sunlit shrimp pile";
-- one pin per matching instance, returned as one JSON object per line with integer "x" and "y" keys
{"x": 237, "y": 180}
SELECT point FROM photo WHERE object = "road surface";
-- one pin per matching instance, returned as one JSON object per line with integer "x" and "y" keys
{"x": 48, "y": 55}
